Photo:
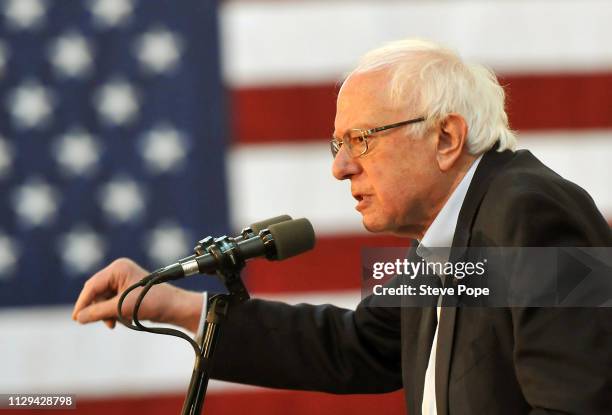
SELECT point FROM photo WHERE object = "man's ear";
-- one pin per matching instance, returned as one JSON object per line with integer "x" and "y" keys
{"x": 452, "y": 136}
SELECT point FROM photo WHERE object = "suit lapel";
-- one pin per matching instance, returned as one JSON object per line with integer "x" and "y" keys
{"x": 424, "y": 342}
{"x": 446, "y": 332}
{"x": 426, "y": 327}
{"x": 491, "y": 162}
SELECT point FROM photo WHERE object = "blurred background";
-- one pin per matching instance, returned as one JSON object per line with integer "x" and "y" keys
{"x": 136, "y": 127}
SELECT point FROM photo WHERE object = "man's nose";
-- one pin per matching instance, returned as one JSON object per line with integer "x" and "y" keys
{"x": 345, "y": 166}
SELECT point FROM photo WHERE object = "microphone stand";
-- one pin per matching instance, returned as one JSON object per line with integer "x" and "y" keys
{"x": 227, "y": 257}
{"x": 218, "y": 309}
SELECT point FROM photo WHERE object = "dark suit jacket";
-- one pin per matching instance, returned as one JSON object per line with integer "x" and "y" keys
{"x": 489, "y": 360}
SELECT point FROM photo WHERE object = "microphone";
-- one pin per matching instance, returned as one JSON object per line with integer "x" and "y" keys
{"x": 252, "y": 230}
{"x": 279, "y": 240}
{"x": 264, "y": 224}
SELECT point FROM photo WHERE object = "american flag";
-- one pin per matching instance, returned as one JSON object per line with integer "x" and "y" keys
{"x": 133, "y": 128}
{"x": 113, "y": 132}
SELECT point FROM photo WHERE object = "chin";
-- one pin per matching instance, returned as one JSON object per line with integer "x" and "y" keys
{"x": 379, "y": 225}
{"x": 375, "y": 225}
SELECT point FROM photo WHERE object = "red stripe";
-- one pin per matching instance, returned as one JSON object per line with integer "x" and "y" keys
{"x": 559, "y": 101}
{"x": 535, "y": 102}
{"x": 334, "y": 264}
{"x": 288, "y": 113}
{"x": 266, "y": 402}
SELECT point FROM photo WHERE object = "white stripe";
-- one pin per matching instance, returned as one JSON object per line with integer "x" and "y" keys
{"x": 43, "y": 350}
{"x": 268, "y": 180}
{"x": 282, "y": 42}
{"x": 296, "y": 179}
{"x": 582, "y": 157}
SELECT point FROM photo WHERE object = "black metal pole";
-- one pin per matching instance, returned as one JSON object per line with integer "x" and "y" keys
{"x": 218, "y": 308}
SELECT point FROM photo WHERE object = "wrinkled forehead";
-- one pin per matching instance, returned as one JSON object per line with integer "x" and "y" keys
{"x": 371, "y": 86}
{"x": 364, "y": 102}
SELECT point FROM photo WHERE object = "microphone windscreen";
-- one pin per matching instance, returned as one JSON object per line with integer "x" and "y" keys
{"x": 264, "y": 224}
{"x": 292, "y": 237}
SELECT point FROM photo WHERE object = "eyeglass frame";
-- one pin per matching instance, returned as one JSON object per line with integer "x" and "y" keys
{"x": 336, "y": 145}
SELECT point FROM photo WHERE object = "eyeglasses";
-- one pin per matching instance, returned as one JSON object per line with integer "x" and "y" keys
{"x": 356, "y": 139}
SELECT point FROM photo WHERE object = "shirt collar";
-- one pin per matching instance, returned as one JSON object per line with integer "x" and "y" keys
{"x": 441, "y": 231}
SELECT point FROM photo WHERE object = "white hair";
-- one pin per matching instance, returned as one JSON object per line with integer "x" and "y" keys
{"x": 434, "y": 82}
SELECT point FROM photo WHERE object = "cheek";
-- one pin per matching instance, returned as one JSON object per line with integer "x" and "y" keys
{"x": 402, "y": 194}
{"x": 394, "y": 192}
{"x": 399, "y": 199}
{"x": 397, "y": 178}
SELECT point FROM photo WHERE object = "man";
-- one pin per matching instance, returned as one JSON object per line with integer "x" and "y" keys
{"x": 424, "y": 140}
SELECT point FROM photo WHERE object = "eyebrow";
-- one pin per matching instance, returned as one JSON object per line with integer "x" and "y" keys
{"x": 365, "y": 128}
{"x": 336, "y": 138}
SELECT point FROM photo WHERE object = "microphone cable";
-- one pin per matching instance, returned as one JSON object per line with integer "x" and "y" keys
{"x": 147, "y": 283}
{"x": 125, "y": 293}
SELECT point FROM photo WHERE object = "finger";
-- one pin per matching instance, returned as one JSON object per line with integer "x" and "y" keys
{"x": 98, "y": 285}
{"x": 103, "y": 310}
{"x": 110, "y": 323}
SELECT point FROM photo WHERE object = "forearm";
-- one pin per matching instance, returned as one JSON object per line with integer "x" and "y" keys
{"x": 185, "y": 310}
{"x": 321, "y": 348}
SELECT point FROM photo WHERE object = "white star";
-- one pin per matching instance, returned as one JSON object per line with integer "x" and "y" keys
{"x": 30, "y": 104}
{"x": 116, "y": 102}
{"x": 35, "y": 202}
{"x": 168, "y": 242}
{"x": 109, "y": 13}
{"x": 81, "y": 250}
{"x": 158, "y": 50}
{"x": 122, "y": 200}
{"x": 4, "y": 54}
{"x": 6, "y": 157}
{"x": 70, "y": 55}
{"x": 163, "y": 148}
{"x": 77, "y": 152}
{"x": 9, "y": 253}
{"x": 25, "y": 14}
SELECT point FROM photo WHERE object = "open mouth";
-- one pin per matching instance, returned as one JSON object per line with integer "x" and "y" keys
{"x": 362, "y": 201}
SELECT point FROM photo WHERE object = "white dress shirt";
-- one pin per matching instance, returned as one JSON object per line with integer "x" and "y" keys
{"x": 440, "y": 234}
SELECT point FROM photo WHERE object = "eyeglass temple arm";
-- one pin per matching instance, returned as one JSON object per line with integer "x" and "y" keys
{"x": 397, "y": 124}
